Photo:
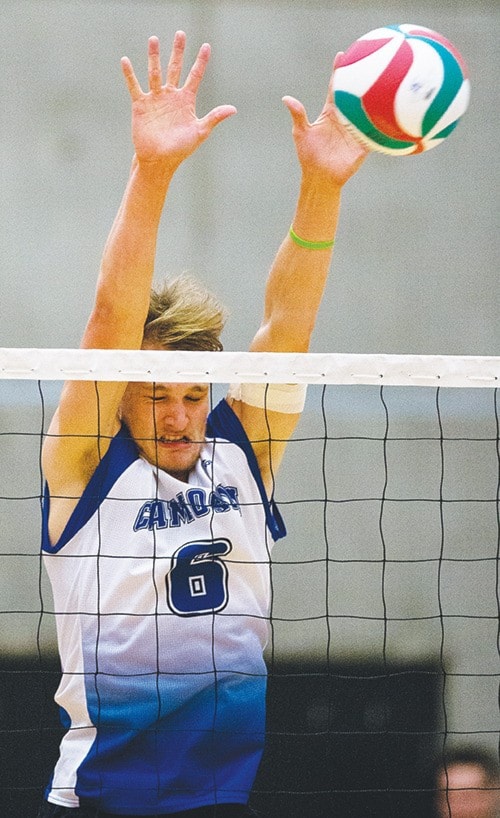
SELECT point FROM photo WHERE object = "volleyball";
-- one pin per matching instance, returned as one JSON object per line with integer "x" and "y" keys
{"x": 401, "y": 89}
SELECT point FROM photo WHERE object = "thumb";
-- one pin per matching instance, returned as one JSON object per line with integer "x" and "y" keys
{"x": 297, "y": 111}
{"x": 217, "y": 115}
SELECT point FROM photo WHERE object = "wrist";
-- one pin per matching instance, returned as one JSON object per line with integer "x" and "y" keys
{"x": 317, "y": 211}
{"x": 154, "y": 170}
{"x": 320, "y": 183}
{"x": 307, "y": 244}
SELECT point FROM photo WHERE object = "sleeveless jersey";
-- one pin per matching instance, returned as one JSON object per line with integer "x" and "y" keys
{"x": 161, "y": 593}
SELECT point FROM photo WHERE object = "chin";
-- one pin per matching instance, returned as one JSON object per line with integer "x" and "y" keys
{"x": 179, "y": 467}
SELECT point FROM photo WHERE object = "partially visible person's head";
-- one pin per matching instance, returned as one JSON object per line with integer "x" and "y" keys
{"x": 184, "y": 315}
{"x": 168, "y": 420}
{"x": 467, "y": 784}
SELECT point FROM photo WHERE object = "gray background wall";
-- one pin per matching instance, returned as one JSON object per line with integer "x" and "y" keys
{"x": 415, "y": 271}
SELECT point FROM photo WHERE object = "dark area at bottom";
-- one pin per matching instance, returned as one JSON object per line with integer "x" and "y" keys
{"x": 350, "y": 741}
{"x": 344, "y": 741}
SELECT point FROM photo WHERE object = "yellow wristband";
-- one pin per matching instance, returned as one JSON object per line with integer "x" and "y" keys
{"x": 311, "y": 245}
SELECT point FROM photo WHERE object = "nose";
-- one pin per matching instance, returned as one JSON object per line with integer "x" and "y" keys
{"x": 172, "y": 416}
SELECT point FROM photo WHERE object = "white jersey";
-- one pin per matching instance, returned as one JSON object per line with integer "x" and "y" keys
{"x": 161, "y": 594}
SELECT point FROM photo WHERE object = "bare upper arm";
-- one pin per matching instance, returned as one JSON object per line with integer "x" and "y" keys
{"x": 78, "y": 437}
{"x": 268, "y": 433}
{"x": 87, "y": 415}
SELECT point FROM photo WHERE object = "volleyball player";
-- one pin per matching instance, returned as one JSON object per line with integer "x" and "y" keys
{"x": 157, "y": 522}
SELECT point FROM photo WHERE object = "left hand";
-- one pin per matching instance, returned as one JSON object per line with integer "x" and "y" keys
{"x": 325, "y": 147}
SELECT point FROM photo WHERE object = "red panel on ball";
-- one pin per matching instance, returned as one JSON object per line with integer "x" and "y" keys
{"x": 360, "y": 49}
{"x": 378, "y": 101}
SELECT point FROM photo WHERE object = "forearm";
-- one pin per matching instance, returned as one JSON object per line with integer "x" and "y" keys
{"x": 317, "y": 210}
{"x": 298, "y": 275}
{"x": 328, "y": 156}
{"x": 127, "y": 266}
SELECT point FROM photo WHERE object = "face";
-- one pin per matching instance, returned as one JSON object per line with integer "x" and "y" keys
{"x": 167, "y": 422}
{"x": 467, "y": 797}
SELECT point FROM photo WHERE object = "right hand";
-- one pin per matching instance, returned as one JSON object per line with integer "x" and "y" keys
{"x": 325, "y": 148}
{"x": 165, "y": 127}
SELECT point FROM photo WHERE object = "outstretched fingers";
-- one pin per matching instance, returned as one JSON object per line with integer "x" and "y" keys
{"x": 154, "y": 65}
{"x": 329, "y": 95}
{"x": 174, "y": 68}
{"x": 132, "y": 83}
{"x": 197, "y": 72}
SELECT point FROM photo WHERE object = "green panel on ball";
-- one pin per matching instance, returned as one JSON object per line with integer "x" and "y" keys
{"x": 452, "y": 82}
{"x": 446, "y": 131}
{"x": 351, "y": 107}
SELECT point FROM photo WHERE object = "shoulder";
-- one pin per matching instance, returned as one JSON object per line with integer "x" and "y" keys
{"x": 67, "y": 512}
{"x": 262, "y": 430}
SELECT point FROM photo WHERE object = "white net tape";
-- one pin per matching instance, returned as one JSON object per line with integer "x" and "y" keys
{"x": 226, "y": 367}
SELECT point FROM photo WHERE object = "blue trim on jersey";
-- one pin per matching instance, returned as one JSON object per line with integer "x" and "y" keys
{"x": 223, "y": 422}
{"x": 121, "y": 453}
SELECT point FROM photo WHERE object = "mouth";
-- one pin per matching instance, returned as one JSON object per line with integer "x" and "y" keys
{"x": 172, "y": 442}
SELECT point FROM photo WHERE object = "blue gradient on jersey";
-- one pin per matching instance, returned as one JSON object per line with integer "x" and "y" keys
{"x": 172, "y": 742}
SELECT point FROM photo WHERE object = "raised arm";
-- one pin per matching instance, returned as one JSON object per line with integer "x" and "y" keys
{"x": 328, "y": 157}
{"x": 165, "y": 131}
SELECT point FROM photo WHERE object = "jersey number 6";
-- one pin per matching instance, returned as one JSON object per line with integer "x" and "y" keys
{"x": 197, "y": 582}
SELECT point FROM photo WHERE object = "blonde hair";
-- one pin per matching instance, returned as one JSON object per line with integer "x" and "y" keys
{"x": 184, "y": 315}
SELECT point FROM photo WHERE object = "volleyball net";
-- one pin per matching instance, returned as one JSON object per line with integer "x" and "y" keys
{"x": 384, "y": 621}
